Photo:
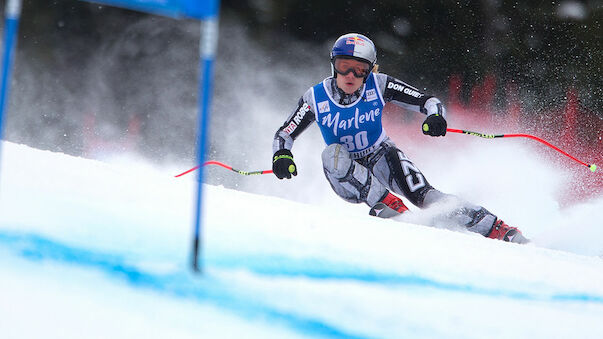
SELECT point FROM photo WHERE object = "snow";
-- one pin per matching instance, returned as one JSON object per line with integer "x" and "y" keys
{"x": 98, "y": 250}
{"x": 572, "y": 10}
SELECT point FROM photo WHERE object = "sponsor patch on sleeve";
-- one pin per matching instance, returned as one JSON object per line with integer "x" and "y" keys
{"x": 405, "y": 89}
{"x": 289, "y": 129}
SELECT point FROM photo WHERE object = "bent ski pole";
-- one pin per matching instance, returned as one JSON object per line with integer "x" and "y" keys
{"x": 225, "y": 166}
{"x": 592, "y": 167}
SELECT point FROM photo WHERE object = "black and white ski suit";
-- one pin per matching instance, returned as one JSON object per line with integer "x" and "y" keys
{"x": 363, "y": 166}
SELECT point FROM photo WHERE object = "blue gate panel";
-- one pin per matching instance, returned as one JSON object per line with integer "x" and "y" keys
{"x": 198, "y": 9}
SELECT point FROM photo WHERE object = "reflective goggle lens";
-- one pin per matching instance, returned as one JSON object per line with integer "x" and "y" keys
{"x": 344, "y": 66}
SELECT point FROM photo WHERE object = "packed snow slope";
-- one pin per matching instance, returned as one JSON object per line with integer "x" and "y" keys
{"x": 93, "y": 250}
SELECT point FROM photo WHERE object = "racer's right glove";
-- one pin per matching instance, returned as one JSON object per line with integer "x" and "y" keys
{"x": 283, "y": 165}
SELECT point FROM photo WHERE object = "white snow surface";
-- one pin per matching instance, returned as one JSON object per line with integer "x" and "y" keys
{"x": 96, "y": 250}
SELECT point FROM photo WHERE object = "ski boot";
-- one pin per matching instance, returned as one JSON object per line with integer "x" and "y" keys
{"x": 389, "y": 206}
{"x": 504, "y": 232}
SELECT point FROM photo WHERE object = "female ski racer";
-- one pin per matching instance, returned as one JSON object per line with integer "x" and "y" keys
{"x": 360, "y": 162}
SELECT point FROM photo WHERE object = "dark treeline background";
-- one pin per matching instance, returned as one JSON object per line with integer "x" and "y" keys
{"x": 76, "y": 57}
{"x": 543, "y": 46}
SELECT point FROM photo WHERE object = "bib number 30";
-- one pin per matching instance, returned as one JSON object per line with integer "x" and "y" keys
{"x": 356, "y": 142}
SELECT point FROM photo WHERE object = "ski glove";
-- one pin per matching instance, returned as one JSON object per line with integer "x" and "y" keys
{"x": 435, "y": 125}
{"x": 283, "y": 165}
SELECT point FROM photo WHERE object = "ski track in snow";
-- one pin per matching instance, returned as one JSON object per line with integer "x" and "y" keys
{"x": 396, "y": 280}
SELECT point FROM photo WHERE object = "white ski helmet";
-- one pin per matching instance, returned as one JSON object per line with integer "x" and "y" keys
{"x": 354, "y": 46}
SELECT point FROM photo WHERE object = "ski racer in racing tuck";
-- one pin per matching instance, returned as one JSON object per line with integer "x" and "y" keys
{"x": 360, "y": 162}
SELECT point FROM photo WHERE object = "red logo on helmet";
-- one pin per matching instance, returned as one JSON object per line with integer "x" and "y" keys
{"x": 354, "y": 41}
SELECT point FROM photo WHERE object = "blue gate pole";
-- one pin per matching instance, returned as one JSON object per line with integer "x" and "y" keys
{"x": 208, "y": 46}
{"x": 12, "y": 12}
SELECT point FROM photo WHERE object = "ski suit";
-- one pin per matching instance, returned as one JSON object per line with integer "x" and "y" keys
{"x": 360, "y": 162}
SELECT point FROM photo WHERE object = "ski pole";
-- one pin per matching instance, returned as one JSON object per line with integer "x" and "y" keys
{"x": 212, "y": 162}
{"x": 592, "y": 167}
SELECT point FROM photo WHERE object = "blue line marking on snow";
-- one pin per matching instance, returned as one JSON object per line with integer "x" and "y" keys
{"x": 321, "y": 269}
{"x": 35, "y": 247}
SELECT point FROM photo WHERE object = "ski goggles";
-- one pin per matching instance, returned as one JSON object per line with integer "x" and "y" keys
{"x": 344, "y": 66}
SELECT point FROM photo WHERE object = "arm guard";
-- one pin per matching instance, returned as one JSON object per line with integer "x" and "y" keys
{"x": 406, "y": 96}
{"x": 296, "y": 123}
